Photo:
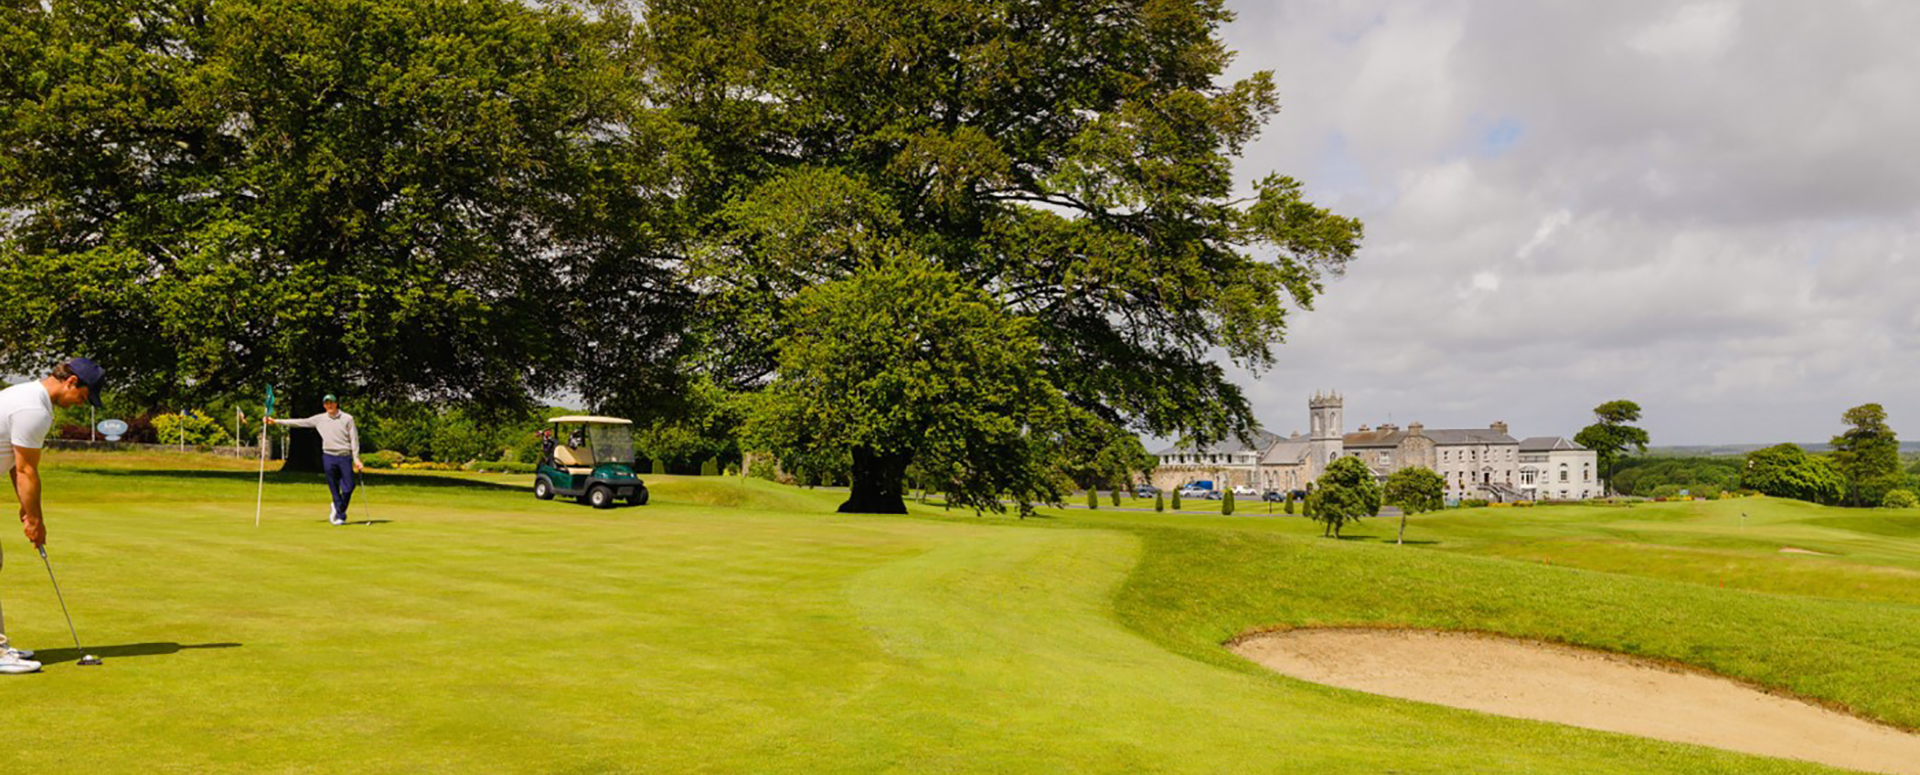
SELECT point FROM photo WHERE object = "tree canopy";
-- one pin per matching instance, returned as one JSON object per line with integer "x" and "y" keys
{"x": 1414, "y": 490}
{"x": 1610, "y": 435}
{"x": 1867, "y": 455}
{"x": 386, "y": 199}
{"x": 1071, "y": 161}
{"x": 905, "y": 363}
{"x": 1787, "y": 471}
{"x": 1344, "y": 493}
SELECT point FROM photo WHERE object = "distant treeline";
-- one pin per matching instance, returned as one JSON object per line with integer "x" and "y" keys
{"x": 1666, "y": 475}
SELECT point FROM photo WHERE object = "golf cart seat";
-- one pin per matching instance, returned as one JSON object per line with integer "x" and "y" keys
{"x": 574, "y": 460}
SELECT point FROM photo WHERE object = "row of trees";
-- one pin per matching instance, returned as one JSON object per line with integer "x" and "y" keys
{"x": 489, "y": 202}
{"x": 1863, "y": 470}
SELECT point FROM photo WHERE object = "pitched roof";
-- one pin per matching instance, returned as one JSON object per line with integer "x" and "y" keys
{"x": 1287, "y": 452}
{"x": 1451, "y": 436}
{"x": 1261, "y": 441}
{"x": 1547, "y": 444}
{"x": 1373, "y": 439}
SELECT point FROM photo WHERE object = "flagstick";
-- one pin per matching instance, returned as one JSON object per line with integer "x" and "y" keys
{"x": 260, "y": 499}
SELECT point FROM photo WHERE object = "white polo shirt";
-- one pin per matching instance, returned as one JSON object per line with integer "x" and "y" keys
{"x": 26, "y": 414}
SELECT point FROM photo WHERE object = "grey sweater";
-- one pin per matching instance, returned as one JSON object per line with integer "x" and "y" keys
{"x": 338, "y": 436}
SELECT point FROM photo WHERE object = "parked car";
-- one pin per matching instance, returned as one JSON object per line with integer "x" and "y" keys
{"x": 1145, "y": 491}
{"x": 1191, "y": 491}
{"x": 1244, "y": 491}
{"x": 1212, "y": 495}
{"x": 1274, "y": 496}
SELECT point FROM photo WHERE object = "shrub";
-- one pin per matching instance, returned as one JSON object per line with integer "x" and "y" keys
{"x": 1176, "y": 500}
{"x": 199, "y": 429}
{"x": 1289, "y": 501}
{"x": 764, "y": 468}
{"x": 1474, "y": 503}
{"x": 1093, "y": 498}
{"x": 385, "y": 458}
{"x": 1226, "y": 502}
{"x": 659, "y": 467}
{"x": 1159, "y": 501}
{"x": 710, "y": 467}
{"x": 1899, "y": 499}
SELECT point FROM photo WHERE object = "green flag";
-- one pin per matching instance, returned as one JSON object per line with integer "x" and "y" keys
{"x": 269, "y": 401}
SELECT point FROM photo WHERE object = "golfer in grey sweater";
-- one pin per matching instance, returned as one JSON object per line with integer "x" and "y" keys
{"x": 339, "y": 449}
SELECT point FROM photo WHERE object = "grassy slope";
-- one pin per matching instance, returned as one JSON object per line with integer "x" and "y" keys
{"x": 741, "y": 627}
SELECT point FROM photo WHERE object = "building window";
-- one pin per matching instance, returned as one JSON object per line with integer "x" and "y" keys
{"x": 1563, "y": 472}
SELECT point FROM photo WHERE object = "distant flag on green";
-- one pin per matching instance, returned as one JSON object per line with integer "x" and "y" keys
{"x": 269, "y": 401}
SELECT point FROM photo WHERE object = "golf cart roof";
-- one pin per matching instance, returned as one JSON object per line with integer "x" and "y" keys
{"x": 586, "y": 418}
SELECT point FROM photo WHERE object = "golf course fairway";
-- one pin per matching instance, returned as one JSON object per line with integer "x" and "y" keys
{"x": 738, "y": 626}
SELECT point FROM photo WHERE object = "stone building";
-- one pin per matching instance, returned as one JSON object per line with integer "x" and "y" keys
{"x": 1475, "y": 462}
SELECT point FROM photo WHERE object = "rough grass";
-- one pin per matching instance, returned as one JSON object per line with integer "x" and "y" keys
{"x": 739, "y": 626}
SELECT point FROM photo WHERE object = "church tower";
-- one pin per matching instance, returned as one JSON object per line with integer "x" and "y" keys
{"x": 1328, "y": 433}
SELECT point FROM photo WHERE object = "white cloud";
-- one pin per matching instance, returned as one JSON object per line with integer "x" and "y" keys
{"x": 1708, "y": 209}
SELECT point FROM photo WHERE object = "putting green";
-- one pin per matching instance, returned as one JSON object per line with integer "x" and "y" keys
{"x": 729, "y": 627}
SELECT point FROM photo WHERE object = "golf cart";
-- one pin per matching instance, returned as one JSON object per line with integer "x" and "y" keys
{"x": 591, "y": 459}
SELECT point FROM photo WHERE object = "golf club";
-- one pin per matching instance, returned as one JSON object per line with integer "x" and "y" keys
{"x": 366, "y": 499}
{"x": 85, "y": 658}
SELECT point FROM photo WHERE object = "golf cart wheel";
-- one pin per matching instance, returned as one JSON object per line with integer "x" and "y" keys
{"x": 600, "y": 497}
{"x": 638, "y": 498}
{"x": 543, "y": 489}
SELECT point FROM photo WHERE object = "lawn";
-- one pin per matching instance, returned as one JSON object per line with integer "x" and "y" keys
{"x": 739, "y": 626}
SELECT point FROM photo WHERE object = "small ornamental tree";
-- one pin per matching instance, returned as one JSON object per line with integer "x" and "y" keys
{"x": 1159, "y": 502}
{"x": 1116, "y": 494}
{"x": 1289, "y": 501}
{"x": 1176, "y": 500}
{"x": 1093, "y": 499}
{"x": 1345, "y": 493}
{"x": 1413, "y": 491}
{"x": 1226, "y": 502}
{"x": 659, "y": 466}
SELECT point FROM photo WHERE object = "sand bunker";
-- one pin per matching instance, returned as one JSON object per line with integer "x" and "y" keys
{"x": 1582, "y": 688}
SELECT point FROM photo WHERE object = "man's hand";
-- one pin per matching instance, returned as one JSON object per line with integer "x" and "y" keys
{"x": 269, "y": 420}
{"x": 36, "y": 529}
{"x": 357, "y": 468}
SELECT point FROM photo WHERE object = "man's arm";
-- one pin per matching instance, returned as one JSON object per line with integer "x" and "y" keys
{"x": 26, "y": 485}
{"x": 353, "y": 440}
{"x": 293, "y": 423}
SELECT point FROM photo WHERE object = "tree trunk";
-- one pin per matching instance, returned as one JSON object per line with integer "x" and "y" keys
{"x": 303, "y": 444}
{"x": 877, "y": 483}
{"x": 1403, "y": 528}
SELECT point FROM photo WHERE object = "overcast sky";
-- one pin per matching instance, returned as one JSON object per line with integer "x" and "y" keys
{"x": 1707, "y": 208}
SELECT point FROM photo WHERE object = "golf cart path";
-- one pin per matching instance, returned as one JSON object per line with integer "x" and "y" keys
{"x": 1582, "y": 688}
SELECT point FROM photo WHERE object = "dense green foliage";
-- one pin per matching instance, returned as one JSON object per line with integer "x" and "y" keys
{"x": 1226, "y": 501}
{"x": 1867, "y": 456}
{"x": 1900, "y": 499}
{"x": 1344, "y": 493}
{"x": 1610, "y": 436}
{"x": 192, "y": 429}
{"x": 1651, "y": 475}
{"x": 1414, "y": 490}
{"x": 401, "y": 199}
{"x": 1787, "y": 471}
{"x": 1071, "y": 161}
{"x": 906, "y": 363}
{"x": 1095, "y": 453}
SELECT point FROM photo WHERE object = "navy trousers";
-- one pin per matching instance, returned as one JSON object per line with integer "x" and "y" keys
{"x": 339, "y": 470}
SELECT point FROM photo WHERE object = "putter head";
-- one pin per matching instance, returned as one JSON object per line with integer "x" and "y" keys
{"x": 89, "y": 660}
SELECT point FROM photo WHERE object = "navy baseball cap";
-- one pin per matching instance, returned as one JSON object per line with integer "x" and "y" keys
{"x": 91, "y": 375}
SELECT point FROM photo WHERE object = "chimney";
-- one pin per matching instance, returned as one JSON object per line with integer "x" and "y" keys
{"x": 1415, "y": 429}
{"x": 1387, "y": 427}
{"x": 1500, "y": 426}
{"x": 1363, "y": 427}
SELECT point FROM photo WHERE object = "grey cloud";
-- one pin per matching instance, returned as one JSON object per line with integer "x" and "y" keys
{"x": 1710, "y": 208}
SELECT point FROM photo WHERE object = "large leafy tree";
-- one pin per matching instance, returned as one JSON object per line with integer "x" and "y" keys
{"x": 1097, "y": 454}
{"x": 1072, "y": 161}
{"x": 1867, "y": 455}
{"x": 1787, "y": 471}
{"x": 1610, "y": 435}
{"x": 1414, "y": 490}
{"x": 1344, "y": 493}
{"x": 387, "y": 199}
{"x": 905, "y": 363}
